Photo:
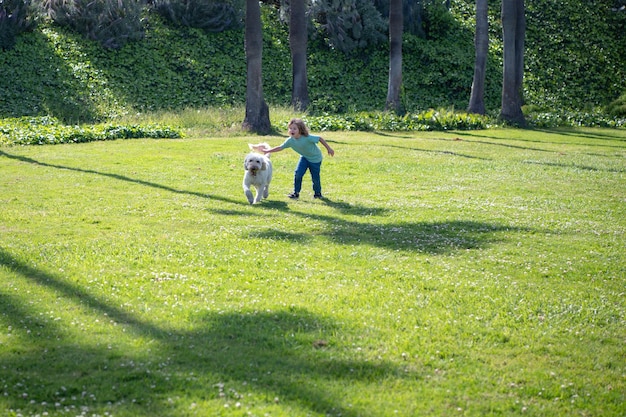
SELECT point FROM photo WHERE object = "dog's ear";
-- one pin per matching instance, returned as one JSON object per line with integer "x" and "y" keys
{"x": 263, "y": 166}
{"x": 245, "y": 164}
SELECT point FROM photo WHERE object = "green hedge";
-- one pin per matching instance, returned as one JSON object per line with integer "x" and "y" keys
{"x": 48, "y": 130}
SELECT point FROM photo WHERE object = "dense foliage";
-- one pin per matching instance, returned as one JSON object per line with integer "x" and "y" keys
{"x": 56, "y": 71}
{"x": 576, "y": 53}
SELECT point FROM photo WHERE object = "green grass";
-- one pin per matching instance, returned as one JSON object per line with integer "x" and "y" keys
{"x": 458, "y": 273}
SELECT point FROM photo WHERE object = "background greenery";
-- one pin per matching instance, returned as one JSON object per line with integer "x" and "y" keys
{"x": 56, "y": 72}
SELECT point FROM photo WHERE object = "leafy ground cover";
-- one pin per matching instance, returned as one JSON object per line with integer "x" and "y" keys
{"x": 447, "y": 273}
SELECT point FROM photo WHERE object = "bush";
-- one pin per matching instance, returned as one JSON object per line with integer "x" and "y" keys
{"x": 348, "y": 25}
{"x": 430, "y": 120}
{"x": 112, "y": 23}
{"x": 209, "y": 15}
{"x": 618, "y": 107}
{"x": 16, "y": 16}
{"x": 48, "y": 130}
{"x": 571, "y": 118}
{"x": 437, "y": 21}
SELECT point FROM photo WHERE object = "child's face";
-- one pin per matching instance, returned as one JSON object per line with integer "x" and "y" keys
{"x": 294, "y": 132}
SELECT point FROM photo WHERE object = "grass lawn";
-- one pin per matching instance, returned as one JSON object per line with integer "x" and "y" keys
{"x": 446, "y": 274}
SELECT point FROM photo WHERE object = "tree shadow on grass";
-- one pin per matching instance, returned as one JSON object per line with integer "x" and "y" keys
{"x": 254, "y": 358}
{"x": 354, "y": 209}
{"x": 616, "y": 135}
{"x": 119, "y": 177}
{"x": 429, "y": 237}
{"x": 603, "y": 141}
{"x": 430, "y": 151}
{"x": 577, "y": 167}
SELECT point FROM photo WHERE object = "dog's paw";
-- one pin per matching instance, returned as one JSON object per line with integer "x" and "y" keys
{"x": 249, "y": 196}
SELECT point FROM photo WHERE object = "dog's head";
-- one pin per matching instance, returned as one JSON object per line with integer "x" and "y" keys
{"x": 254, "y": 162}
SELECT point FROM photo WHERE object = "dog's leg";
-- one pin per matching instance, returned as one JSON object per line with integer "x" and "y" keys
{"x": 248, "y": 193}
{"x": 266, "y": 191}
{"x": 259, "y": 194}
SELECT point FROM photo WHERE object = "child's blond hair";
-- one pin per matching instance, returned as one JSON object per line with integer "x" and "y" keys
{"x": 304, "y": 131}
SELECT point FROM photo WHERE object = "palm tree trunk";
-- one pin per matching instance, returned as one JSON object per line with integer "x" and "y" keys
{"x": 396, "y": 29}
{"x": 298, "y": 43}
{"x": 257, "y": 117}
{"x": 481, "y": 44}
{"x": 513, "y": 31}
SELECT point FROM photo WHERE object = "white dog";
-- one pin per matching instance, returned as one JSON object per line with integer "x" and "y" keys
{"x": 258, "y": 173}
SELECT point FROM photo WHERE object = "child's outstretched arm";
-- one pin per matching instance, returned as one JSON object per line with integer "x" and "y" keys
{"x": 272, "y": 150}
{"x": 330, "y": 150}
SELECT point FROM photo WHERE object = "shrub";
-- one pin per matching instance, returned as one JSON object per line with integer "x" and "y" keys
{"x": 48, "y": 130}
{"x": 430, "y": 120}
{"x": 209, "y": 15}
{"x": 437, "y": 20}
{"x": 618, "y": 106}
{"x": 112, "y": 23}
{"x": 16, "y": 16}
{"x": 572, "y": 118}
{"x": 348, "y": 25}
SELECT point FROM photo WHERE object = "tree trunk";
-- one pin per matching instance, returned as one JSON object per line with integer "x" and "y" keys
{"x": 298, "y": 44}
{"x": 513, "y": 32}
{"x": 395, "y": 55}
{"x": 257, "y": 117}
{"x": 481, "y": 44}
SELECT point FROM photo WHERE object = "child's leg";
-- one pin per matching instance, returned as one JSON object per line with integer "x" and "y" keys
{"x": 301, "y": 168}
{"x": 315, "y": 177}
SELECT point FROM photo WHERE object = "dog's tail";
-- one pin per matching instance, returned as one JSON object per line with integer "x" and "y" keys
{"x": 260, "y": 147}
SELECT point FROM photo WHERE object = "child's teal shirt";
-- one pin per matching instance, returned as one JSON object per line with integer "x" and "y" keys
{"x": 305, "y": 146}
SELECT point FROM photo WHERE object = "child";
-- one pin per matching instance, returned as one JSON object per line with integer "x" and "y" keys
{"x": 310, "y": 156}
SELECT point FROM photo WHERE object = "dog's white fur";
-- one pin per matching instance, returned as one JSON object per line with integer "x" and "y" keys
{"x": 258, "y": 173}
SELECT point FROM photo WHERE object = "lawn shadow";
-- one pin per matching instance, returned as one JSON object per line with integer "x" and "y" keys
{"x": 121, "y": 178}
{"x": 287, "y": 356}
{"x": 598, "y": 137}
{"x": 431, "y": 151}
{"x": 585, "y": 134}
{"x": 427, "y": 237}
{"x": 576, "y": 166}
{"x": 273, "y": 234}
{"x": 354, "y": 209}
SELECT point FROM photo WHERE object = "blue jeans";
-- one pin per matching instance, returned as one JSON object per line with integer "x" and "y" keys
{"x": 314, "y": 168}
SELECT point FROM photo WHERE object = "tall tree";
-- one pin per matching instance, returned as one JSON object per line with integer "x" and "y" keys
{"x": 396, "y": 27}
{"x": 513, "y": 32}
{"x": 481, "y": 45}
{"x": 257, "y": 117}
{"x": 298, "y": 43}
